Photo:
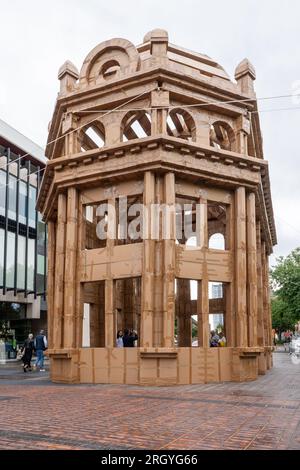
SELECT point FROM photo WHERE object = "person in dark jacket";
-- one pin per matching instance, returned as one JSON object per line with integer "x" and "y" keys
{"x": 129, "y": 338}
{"x": 27, "y": 349}
{"x": 40, "y": 346}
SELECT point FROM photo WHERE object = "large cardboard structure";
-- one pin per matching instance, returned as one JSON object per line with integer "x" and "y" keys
{"x": 158, "y": 124}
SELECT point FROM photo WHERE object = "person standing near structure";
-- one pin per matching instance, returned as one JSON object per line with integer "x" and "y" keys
{"x": 129, "y": 338}
{"x": 40, "y": 346}
{"x": 119, "y": 341}
{"x": 27, "y": 350}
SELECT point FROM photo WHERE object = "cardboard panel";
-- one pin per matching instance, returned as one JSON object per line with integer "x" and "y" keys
{"x": 86, "y": 365}
{"x": 198, "y": 365}
{"x": 131, "y": 366}
{"x": 219, "y": 265}
{"x": 225, "y": 358}
{"x": 125, "y": 261}
{"x": 116, "y": 365}
{"x": 101, "y": 365}
{"x": 186, "y": 188}
{"x": 125, "y": 188}
{"x": 148, "y": 370}
{"x": 212, "y": 365}
{"x": 183, "y": 366}
{"x": 167, "y": 370}
{"x": 189, "y": 263}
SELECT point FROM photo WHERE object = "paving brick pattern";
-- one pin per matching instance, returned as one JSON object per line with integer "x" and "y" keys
{"x": 265, "y": 414}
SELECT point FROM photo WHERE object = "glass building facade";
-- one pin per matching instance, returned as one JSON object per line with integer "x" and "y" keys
{"x": 23, "y": 238}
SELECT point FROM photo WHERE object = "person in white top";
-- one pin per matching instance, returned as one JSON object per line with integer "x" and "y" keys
{"x": 119, "y": 341}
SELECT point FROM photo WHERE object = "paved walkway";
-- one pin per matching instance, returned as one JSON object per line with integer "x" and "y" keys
{"x": 265, "y": 414}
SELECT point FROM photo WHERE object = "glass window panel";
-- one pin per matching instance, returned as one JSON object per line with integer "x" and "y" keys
{"x": 21, "y": 262}
{"x": 1, "y": 255}
{"x": 30, "y": 264}
{"x": 41, "y": 264}
{"x": 41, "y": 238}
{"x": 22, "y": 202}
{"x": 2, "y": 191}
{"x": 10, "y": 262}
{"x": 12, "y": 197}
{"x": 32, "y": 200}
{"x": 40, "y": 283}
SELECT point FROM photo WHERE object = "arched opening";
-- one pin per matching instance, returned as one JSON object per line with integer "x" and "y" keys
{"x": 191, "y": 242}
{"x": 110, "y": 68}
{"x": 217, "y": 241}
{"x": 222, "y": 136}
{"x": 181, "y": 124}
{"x": 135, "y": 125}
{"x": 93, "y": 137}
{"x": 217, "y": 225}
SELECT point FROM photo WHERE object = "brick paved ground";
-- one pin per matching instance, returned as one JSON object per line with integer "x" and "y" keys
{"x": 265, "y": 414}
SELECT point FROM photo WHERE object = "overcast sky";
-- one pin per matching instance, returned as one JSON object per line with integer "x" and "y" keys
{"x": 38, "y": 36}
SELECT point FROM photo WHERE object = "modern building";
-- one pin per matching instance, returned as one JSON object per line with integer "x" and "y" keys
{"x": 22, "y": 238}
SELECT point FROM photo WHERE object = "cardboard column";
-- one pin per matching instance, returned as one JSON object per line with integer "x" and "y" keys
{"x": 169, "y": 261}
{"x": 110, "y": 323}
{"x": 260, "y": 324}
{"x": 51, "y": 281}
{"x": 252, "y": 271}
{"x": 265, "y": 282}
{"x": 269, "y": 313}
{"x": 240, "y": 268}
{"x": 70, "y": 269}
{"x": 148, "y": 263}
{"x": 59, "y": 271}
{"x": 229, "y": 314}
{"x": 230, "y": 320}
{"x": 203, "y": 300}
{"x": 269, "y": 341}
{"x": 158, "y": 271}
{"x": 159, "y": 115}
{"x": 79, "y": 285}
{"x": 184, "y": 313}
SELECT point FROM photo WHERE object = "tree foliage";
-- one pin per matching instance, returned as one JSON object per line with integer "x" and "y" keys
{"x": 285, "y": 278}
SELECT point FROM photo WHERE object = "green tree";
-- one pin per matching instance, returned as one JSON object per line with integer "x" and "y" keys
{"x": 281, "y": 317}
{"x": 285, "y": 278}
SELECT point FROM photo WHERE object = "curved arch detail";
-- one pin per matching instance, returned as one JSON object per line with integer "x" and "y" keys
{"x": 222, "y": 136}
{"x": 180, "y": 123}
{"x": 121, "y": 52}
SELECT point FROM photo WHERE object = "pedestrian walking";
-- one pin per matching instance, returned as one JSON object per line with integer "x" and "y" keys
{"x": 40, "y": 346}
{"x": 27, "y": 350}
